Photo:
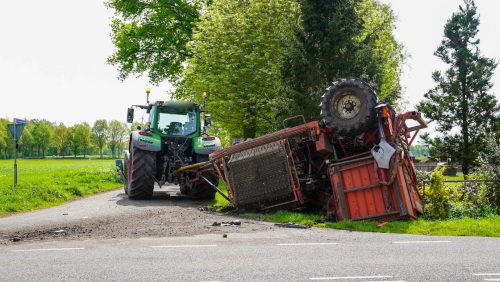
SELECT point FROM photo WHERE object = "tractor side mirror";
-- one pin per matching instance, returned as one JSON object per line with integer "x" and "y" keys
{"x": 130, "y": 115}
{"x": 208, "y": 120}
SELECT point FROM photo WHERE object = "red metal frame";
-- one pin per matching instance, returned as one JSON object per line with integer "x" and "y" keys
{"x": 359, "y": 189}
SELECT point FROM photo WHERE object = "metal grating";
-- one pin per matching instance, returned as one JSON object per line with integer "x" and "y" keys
{"x": 259, "y": 176}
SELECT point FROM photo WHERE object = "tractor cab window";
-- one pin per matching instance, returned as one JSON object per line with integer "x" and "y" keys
{"x": 177, "y": 123}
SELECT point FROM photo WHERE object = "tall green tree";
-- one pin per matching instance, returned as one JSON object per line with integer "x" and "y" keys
{"x": 341, "y": 38}
{"x": 60, "y": 138}
{"x": 84, "y": 134}
{"x": 150, "y": 36}
{"x": 73, "y": 140}
{"x": 42, "y": 132}
{"x": 26, "y": 142}
{"x": 117, "y": 133}
{"x": 237, "y": 58}
{"x": 461, "y": 98}
{"x": 100, "y": 134}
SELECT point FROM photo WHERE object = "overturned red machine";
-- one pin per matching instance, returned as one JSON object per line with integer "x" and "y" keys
{"x": 355, "y": 162}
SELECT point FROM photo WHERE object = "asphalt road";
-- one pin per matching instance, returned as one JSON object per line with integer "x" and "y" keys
{"x": 262, "y": 254}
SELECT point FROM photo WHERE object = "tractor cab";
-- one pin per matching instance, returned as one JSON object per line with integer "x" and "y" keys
{"x": 175, "y": 118}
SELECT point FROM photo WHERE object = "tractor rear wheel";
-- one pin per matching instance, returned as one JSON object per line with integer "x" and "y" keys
{"x": 141, "y": 176}
{"x": 348, "y": 107}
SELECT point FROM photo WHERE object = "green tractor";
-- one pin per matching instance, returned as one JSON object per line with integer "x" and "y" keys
{"x": 175, "y": 138}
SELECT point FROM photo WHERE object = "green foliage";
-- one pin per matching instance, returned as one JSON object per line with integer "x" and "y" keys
{"x": 60, "y": 139}
{"x": 117, "y": 132}
{"x": 42, "y": 133}
{"x": 100, "y": 133}
{"x": 236, "y": 58}
{"x": 341, "y": 39}
{"x": 151, "y": 36}
{"x": 46, "y": 183}
{"x": 83, "y": 136}
{"x": 437, "y": 195}
{"x": 461, "y": 97}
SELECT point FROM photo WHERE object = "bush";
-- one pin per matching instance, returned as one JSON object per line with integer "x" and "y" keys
{"x": 437, "y": 196}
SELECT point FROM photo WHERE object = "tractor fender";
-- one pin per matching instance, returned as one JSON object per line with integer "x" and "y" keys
{"x": 145, "y": 143}
{"x": 206, "y": 145}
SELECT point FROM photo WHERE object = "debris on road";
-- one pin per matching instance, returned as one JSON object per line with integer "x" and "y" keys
{"x": 382, "y": 224}
{"x": 292, "y": 225}
{"x": 227, "y": 223}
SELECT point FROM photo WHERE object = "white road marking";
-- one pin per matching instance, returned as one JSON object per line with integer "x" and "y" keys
{"x": 419, "y": 242}
{"x": 53, "y": 249}
{"x": 350, "y": 277}
{"x": 384, "y": 281}
{"x": 485, "y": 274}
{"x": 184, "y": 246}
{"x": 305, "y": 244}
{"x": 492, "y": 279}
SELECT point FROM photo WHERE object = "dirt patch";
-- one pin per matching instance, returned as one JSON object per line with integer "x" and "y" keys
{"x": 137, "y": 223}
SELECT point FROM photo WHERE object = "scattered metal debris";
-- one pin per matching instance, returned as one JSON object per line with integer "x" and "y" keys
{"x": 292, "y": 225}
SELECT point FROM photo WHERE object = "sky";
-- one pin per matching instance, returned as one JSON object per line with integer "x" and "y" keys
{"x": 53, "y": 57}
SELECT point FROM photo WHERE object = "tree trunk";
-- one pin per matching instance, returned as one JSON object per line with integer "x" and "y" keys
{"x": 250, "y": 130}
{"x": 100, "y": 151}
{"x": 465, "y": 118}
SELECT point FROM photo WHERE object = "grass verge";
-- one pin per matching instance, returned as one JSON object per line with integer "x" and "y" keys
{"x": 487, "y": 227}
{"x": 219, "y": 202}
{"x": 47, "y": 183}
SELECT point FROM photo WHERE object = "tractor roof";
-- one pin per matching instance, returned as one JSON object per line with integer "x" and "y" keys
{"x": 177, "y": 105}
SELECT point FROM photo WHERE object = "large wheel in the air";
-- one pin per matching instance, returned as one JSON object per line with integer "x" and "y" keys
{"x": 348, "y": 107}
{"x": 141, "y": 177}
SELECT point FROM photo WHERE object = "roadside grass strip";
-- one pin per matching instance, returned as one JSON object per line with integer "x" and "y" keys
{"x": 487, "y": 226}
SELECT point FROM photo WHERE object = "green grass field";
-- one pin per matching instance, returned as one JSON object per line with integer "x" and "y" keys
{"x": 46, "y": 183}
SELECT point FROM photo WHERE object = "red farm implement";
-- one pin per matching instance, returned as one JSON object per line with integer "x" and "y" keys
{"x": 354, "y": 162}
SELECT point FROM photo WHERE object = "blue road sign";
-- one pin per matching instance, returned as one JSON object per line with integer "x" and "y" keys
{"x": 16, "y": 128}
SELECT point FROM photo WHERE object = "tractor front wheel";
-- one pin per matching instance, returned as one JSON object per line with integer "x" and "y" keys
{"x": 126, "y": 161}
{"x": 141, "y": 174}
{"x": 201, "y": 190}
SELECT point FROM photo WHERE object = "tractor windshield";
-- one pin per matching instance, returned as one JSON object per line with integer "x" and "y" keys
{"x": 178, "y": 124}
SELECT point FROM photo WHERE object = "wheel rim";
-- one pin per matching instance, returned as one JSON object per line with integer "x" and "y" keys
{"x": 347, "y": 105}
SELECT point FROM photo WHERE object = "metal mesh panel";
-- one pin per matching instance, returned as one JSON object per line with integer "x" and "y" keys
{"x": 259, "y": 176}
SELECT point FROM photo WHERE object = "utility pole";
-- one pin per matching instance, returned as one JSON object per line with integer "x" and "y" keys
{"x": 15, "y": 155}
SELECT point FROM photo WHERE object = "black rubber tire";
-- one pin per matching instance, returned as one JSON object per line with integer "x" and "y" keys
{"x": 142, "y": 175}
{"x": 364, "y": 116}
{"x": 126, "y": 161}
{"x": 203, "y": 190}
